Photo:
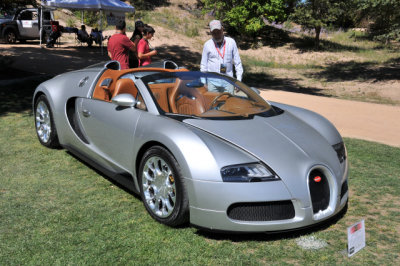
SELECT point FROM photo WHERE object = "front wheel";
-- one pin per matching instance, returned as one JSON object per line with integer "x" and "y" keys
{"x": 44, "y": 123}
{"x": 10, "y": 37}
{"x": 161, "y": 187}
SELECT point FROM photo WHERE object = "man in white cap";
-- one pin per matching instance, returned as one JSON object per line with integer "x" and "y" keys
{"x": 220, "y": 53}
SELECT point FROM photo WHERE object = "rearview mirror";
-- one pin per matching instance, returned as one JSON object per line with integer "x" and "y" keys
{"x": 125, "y": 100}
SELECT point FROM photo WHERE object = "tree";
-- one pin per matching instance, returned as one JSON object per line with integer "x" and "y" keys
{"x": 385, "y": 15}
{"x": 10, "y": 4}
{"x": 316, "y": 14}
{"x": 247, "y": 16}
{"x": 350, "y": 15}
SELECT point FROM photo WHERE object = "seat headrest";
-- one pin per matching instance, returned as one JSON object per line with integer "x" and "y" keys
{"x": 125, "y": 86}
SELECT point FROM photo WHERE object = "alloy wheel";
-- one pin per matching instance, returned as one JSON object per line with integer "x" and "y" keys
{"x": 43, "y": 121}
{"x": 158, "y": 184}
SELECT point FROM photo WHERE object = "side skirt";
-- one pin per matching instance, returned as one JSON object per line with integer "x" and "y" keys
{"x": 125, "y": 179}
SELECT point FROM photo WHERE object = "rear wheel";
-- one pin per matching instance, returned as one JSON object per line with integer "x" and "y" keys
{"x": 10, "y": 37}
{"x": 44, "y": 123}
{"x": 161, "y": 187}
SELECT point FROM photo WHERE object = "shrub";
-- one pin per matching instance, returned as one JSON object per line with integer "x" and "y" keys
{"x": 70, "y": 22}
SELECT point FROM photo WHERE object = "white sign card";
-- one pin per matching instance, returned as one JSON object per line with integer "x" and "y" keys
{"x": 355, "y": 238}
{"x": 114, "y": 17}
{"x": 27, "y": 23}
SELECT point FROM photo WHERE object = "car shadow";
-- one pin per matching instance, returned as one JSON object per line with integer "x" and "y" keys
{"x": 270, "y": 236}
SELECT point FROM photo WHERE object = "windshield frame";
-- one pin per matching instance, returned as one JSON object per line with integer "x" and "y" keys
{"x": 250, "y": 94}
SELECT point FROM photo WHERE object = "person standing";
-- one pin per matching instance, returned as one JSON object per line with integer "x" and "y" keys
{"x": 143, "y": 50}
{"x": 220, "y": 53}
{"x": 119, "y": 45}
{"x": 136, "y": 37}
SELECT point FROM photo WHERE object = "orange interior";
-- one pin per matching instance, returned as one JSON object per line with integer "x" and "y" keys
{"x": 161, "y": 92}
{"x": 175, "y": 97}
{"x": 105, "y": 94}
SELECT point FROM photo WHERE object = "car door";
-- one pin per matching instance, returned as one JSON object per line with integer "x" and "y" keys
{"x": 110, "y": 130}
{"x": 27, "y": 22}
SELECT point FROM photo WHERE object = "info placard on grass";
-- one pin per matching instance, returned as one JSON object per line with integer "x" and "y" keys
{"x": 355, "y": 238}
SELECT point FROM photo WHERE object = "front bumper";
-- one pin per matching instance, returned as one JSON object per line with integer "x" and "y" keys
{"x": 209, "y": 202}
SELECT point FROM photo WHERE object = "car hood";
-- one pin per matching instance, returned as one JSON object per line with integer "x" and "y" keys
{"x": 2, "y": 20}
{"x": 285, "y": 143}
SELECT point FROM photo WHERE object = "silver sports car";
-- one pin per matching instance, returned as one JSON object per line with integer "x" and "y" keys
{"x": 198, "y": 147}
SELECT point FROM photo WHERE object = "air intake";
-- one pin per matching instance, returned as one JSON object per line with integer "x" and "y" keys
{"x": 319, "y": 190}
{"x": 262, "y": 211}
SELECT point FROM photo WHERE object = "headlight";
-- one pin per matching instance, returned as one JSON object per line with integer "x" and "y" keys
{"x": 255, "y": 172}
{"x": 340, "y": 151}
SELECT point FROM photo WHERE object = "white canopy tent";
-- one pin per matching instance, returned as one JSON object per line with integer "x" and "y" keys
{"x": 92, "y": 5}
{"x": 109, "y": 5}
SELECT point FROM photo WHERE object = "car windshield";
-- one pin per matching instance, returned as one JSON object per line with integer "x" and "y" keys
{"x": 205, "y": 95}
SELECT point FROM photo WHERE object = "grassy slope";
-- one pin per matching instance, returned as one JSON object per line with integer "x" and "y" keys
{"x": 56, "y": 210}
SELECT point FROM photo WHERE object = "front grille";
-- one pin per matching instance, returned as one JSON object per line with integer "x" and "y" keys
{"x": 262, "y": 211}
{"x": 319, "y": 190}
{"x": 344, "y": 189}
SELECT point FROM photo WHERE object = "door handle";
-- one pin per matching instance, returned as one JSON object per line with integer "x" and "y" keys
{"x": 86, "y": 113}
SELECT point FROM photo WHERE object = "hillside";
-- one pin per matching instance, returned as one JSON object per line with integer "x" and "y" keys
{"x": 348, "y": 65}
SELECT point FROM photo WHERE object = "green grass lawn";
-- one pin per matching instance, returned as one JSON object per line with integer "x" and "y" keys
{"x": 54, "y": 209}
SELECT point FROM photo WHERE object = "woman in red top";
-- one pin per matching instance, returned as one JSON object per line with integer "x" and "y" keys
{"x": 143, "y": 48}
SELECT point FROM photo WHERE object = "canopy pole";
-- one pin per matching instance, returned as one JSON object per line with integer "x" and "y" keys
{"x": 101, "y": 30}
{"x": 41, "y": 25}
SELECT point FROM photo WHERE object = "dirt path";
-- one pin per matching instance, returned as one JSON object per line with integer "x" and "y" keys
{"x": 369, "y": 121}
{"x": 375, "y": 122}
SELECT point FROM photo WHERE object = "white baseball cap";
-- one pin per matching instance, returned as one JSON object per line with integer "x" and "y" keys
{"x": 215, "y": 25}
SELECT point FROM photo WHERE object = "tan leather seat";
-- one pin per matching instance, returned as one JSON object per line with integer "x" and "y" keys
{"x": 125, "y": 86}
{"x": 187, "y": 101}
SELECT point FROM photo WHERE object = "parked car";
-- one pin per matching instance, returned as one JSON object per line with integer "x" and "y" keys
{"x": 198, "y": 147}
{"x": 24, "y": 24}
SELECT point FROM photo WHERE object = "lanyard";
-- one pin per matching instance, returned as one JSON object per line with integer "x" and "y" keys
{"x": 222, "y": 55}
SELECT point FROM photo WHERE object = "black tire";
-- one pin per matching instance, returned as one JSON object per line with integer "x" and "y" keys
{"x": 44, "y": 123}
{"x": 10, "y": 37}
{"x": 180, "y": 212}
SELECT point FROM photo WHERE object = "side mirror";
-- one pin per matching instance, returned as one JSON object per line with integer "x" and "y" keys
{"x": 255, "y": 90}
{"x": 124, "y": 100}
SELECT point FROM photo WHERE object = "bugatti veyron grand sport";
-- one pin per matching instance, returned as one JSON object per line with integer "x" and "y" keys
{"x": 198, "y": 147}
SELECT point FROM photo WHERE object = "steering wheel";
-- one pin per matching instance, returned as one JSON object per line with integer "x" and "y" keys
{"x": 219, "y": 96}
